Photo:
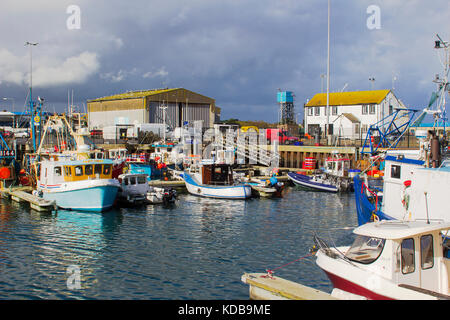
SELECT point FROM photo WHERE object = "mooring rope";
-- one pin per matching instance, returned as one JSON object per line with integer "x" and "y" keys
{"x": 270, "y": 272}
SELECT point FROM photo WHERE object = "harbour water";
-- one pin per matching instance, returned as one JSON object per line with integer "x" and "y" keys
{"x": 197, "y": 249}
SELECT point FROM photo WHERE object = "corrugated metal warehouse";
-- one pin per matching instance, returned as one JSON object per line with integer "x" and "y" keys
{"x": 138, "y": 107}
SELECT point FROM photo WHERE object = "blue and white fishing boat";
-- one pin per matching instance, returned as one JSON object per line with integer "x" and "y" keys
{"x": 215, "y": 181}
{"x": 85, "y": 185}
{"x": 315, "y": 183}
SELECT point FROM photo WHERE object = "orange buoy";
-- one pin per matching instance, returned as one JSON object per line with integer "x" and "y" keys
{"x": 5, "y": 173}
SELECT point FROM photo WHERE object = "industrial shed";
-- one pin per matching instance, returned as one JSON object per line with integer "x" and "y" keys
{"x": 147, "y": 106}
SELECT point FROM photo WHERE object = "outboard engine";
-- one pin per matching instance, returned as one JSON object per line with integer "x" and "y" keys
{"x": 169, "y": 196}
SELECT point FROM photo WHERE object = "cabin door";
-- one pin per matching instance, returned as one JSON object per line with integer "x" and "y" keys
{"x": 429, "y": 268}
{"x": 409, "y": 272}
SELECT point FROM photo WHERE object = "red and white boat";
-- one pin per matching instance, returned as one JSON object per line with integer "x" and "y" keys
{"x": 390, "y": 259}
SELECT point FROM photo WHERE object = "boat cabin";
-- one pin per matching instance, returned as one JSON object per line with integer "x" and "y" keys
{"x": 337, "y": 166}
{"x": 411, "y": 254}
{"x": 217, "y": 174}
{"x": 133, "y": 183}
{"x": 56, "y": 172}
{"x": 120, "y": 153}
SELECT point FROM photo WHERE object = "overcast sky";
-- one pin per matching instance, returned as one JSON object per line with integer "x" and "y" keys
{"x": 239, "y": 52}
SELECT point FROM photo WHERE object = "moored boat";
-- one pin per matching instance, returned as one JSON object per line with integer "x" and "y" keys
{"x": 215, "y": 181}
{"x": 314, "y": 183}
{"x": 85, "y": 185}
{"x": 390, "y": 260}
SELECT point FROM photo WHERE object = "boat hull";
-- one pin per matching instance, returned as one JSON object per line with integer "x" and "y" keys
{"x": 220, "y": 192}
{"x": 95, "y": 198}
{"x": 307, "y": 183}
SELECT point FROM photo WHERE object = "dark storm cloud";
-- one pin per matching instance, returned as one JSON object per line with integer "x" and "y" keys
{"x": 238, "y": 52}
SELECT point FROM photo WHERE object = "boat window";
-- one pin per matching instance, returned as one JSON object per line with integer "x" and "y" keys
{"x": 365, "y": 249}
{"x": 426, "y": 251}
{"x": 67, "y": 171}
{"x": 125, "y": 181}
{"x": 142, "y": 180}
{"x": 57, "y": 171}
{"x": 98, "y": 169}
{"x": 408, "y": 258}
{"x": 132, "y": 180}
{"x": 88, "y": 169}
{"x": 107, "y": 169}
{"x": 395, "y": 171}
{"x": 79, "y": 170}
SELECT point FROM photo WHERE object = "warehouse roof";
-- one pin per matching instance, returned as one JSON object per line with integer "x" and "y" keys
{"x": 348, "y": 98}
{"x": 133, "y": 94}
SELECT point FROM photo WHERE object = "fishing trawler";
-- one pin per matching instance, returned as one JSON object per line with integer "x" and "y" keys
{"x": 85, "y": 185}
{"x": 415, "y": 181}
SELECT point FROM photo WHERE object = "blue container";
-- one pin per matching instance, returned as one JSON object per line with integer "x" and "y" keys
{"x": 285, "y": 96}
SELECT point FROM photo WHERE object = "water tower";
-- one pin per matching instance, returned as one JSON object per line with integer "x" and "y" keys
{"x": 286, "y": 101}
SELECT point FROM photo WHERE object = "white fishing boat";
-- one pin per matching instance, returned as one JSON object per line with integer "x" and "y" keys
{"x": 390, "y": 260}
{"x": 135, "y": 190}
{"x": 85, "y": 185}
{"x": 215, "y": 181}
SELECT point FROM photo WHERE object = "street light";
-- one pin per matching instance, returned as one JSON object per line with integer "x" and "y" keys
{"x": 372, "y": 80}
{"x": 12, "y": 102}
{"x": 31, "y": 65}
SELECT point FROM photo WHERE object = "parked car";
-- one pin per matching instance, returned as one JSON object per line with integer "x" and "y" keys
{"x": 7, "y": 134}
{"x": 22, "y": 134}
{"x": 96, "y": 133}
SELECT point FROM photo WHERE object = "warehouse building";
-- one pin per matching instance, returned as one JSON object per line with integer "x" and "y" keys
{"x": 175, "y": 107}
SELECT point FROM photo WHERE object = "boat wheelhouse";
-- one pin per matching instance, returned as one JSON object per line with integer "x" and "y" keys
{"x": 390, "y": 260}
{"x": 78, "y": 184}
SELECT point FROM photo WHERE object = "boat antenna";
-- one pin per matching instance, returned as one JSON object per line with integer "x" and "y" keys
{"x": 426, "y": 207}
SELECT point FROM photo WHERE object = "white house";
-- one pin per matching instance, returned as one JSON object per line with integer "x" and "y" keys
{"x": 351, "y": 113}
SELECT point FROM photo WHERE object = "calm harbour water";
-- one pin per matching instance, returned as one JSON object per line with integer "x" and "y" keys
{"x": 197, "y": 249}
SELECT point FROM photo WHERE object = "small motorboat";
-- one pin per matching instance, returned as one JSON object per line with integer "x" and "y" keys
{"x": 390, "y": 259}
{"x": 161, "y": 195}
{"x": 315, "y": 183}
{"x": 135, "y": 190}
{"x": 265, "y": 188}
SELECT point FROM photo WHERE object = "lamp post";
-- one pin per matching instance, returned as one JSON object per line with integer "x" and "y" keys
{"x": 372, "y": 80}
{"x": 12, "y": 109}
{"x": 31, "y": 65}
{"x": 9, "y": 99}
{"x": 328, "y": 74}
{"x": 32, "y": 105}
